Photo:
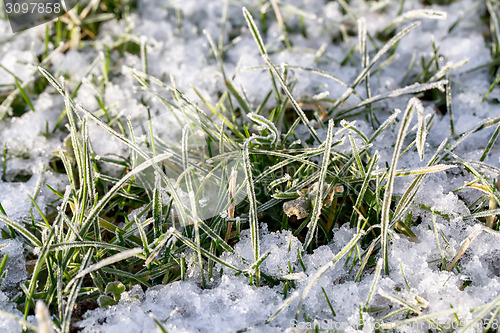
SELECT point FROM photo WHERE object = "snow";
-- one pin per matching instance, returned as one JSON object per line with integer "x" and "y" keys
{"x": 180, "y": 53}
{"x": 232, "y": 304}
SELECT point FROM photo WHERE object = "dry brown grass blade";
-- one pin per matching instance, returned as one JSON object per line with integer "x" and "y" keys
{"x": 490, "y": 220}
{"x": 464, "y": 248}
{"x": 407, "y": 232}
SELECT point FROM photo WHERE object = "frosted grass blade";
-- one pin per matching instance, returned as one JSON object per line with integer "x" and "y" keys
{"x": 326, "y": 267}
{"x": 318, "y": 201}
{"x": 376, "y": 277}
{"x": 105, "y": 262}
{"x": 386, "y": 203}
{"x": 421, "y": 131}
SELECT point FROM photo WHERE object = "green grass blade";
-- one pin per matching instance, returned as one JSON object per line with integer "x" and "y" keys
{"x": 388, "y": 46}
{"x": 421, "y": 131}
{"x": 255, "y": 31}
{"x": 252, "y": 215}
{"x": 104, "y": 262}
{"x": 386, "y": 203}
{"x": 376, "y": 277}
{"x": 318, "y": 201}
{"x": 490, "y": 144}
{"x": 294, "y": 103}
{"x": 22, "y": 230}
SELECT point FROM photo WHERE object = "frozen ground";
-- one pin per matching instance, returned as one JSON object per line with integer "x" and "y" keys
{"x": 417, "y": 285}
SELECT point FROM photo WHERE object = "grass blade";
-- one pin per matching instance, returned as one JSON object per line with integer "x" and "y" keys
{"x": 318, "y": 201}
{"x": 386, "y": 203}
{"x": 326, "y": 267}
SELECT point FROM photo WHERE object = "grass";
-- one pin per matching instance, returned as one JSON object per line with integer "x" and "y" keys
{"x": 93, "y": 247}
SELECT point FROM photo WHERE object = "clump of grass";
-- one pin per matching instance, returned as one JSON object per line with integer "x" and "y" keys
{"x": 93, "y": 247}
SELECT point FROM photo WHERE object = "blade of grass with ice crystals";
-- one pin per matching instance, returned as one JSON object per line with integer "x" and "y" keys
{"x": 206, "y": 253}
{"x": 194, "y": 210}
{"x": 326, "y": 75}
{"x": 255, "y": 32}
{"x": 68, "y": 168}
{"x": 294, "y": 103}
{"x": 476, "y": 128}
{"x": 421, "y": 131}
{"x": 384, "y": 125}
{"x": 283, "y": 306}
{"x": 416, "y": 171}
{"x": 155, "y": 251}
{"x": 105, "y": 262}
{"x": 399, "y": 301}
{"x": 489, "y": 187}
{"x": 411, "y": 322}
{"x": 376, "y": 58}
{"x": 365, "y": 58}
{"x": 263, "y": 121}
{"x": 44, "y": 251}
{"x": 157, "y": 206}
{"x": 326, "y": 267}
{"x": 365, "y": 260}
{"x": 449, "y": 108}
{"x": 493, "y": 85}
{"x": 260, "y": 43}
{"x": 491, "y": 142}
{"x": 252, "y": 214}
{"x": 87, "y": 192}
{"x": 82, "y": 244}
{"x": 412, "y": 15}
{"x": 361, "y": 195}
{"x": 105, "y": 199}
{"x": 386, "y": 203}
{"x": 318, "y": 200}
{"x": 258, "y": 262}
{"x": 288, "y": 158}
{"x": 87, "y": 155}
{"x": 407, "y": 198}
{"x": 144, "y": 238}
{"x": 68, "y": 311}
{"x": 436, "y": 235}
{"x": 445, "y": 70}
{"x": 411, "y": 89}
{"x": 22, "y": 230}
{"x": 465, "y": 245}
{"x": 356, "y": 155}
{"x": 75, "y": 142}
{"x": 376, "y": 277}
{"x": 485, "y": 213}
{"x": 258, "y": 39}
{"x": 483, "y": 313}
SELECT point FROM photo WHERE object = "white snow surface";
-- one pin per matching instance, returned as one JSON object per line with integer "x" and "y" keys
{"x": 182, "y": 52}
